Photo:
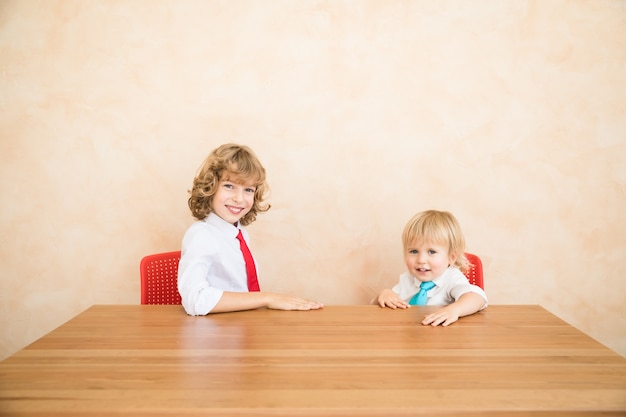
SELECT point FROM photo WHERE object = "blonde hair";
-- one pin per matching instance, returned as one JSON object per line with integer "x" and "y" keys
{"x": 439, "y": 227}
{"x": 231, "y": 162}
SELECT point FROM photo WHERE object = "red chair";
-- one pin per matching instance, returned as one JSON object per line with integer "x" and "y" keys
{"x": 475, "y": 272}
{"x": 159, "y": 278}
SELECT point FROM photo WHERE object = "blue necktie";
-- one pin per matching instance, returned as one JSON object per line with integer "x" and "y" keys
{"x": 420, "y": 298}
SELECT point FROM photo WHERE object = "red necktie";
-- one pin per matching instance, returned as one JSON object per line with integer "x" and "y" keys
{"x": 253, "y": 283}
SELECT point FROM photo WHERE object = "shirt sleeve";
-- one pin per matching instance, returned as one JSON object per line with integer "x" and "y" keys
{"x": 460, "y": 285}
{"x": 198, "y": 297}
{"x": 198, "y": 256}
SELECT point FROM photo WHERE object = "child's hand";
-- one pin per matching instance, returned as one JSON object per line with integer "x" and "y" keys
{"x": 388, "y": 298}
{"x": 446, "y": 316}
{"x": 468, "y": 303}
{"x": 288, "y": 302}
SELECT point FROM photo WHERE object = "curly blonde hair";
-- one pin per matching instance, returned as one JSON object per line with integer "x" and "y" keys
{"x": 234, "y": 163}
{"x": 439, "y": 227}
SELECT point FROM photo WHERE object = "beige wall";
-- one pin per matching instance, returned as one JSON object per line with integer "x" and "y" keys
{"x": 510, "y": 114}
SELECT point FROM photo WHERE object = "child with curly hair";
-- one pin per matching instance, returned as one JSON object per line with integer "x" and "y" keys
{"x": 217, "y": 272}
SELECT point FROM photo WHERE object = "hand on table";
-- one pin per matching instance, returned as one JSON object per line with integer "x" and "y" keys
{"x": 445, "y": 317}
{"x": 388, "y": 298}
{"x": 288, "y": 302}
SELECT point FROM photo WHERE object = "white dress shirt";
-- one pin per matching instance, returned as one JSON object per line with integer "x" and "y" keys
{"x": 211, "y": 262}
{"x": 448, "y": 288}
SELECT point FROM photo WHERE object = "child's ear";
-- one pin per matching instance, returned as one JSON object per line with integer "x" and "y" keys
{"x": 452, "y": 258}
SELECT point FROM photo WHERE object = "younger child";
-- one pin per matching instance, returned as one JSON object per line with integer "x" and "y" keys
{"x": 217, "y": 272}
{"x": 434, "y": 253}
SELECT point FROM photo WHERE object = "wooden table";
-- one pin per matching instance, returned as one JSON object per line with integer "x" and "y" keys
{"x": 343, "y": 360}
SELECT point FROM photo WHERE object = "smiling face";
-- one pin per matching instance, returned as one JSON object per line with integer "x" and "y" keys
{"x": 233, "y": 199}
{"x": 427, "y": 261}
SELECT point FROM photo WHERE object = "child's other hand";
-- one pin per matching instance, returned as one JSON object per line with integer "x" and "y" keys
{"x": 445, "y": 317}
{"x": 288, "y": 302}
{"x": 388, "y": 298}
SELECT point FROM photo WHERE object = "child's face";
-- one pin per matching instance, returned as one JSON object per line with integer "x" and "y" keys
{"x": 427, "y": 261}
{"x": 233, "y": 200}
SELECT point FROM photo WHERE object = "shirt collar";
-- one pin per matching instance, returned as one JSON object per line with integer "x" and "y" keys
{"x": 222, "y": 225}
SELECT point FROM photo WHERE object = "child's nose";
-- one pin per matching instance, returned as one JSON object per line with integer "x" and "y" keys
{"x": 238, "y": 195}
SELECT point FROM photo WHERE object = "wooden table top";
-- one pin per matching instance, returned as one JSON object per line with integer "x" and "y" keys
{"x": 142, "y": 360}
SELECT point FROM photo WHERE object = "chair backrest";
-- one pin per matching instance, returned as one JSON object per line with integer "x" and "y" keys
{"x": 475, "y": 273}
{"x": 159, "y": 278}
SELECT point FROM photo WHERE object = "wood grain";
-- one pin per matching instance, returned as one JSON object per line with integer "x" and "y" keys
{"x": 340, "y": 361}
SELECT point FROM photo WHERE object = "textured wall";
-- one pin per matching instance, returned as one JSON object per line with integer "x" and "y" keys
{"x": 510, "y": 114}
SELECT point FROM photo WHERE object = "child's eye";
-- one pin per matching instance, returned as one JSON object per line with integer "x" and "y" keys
{"x": 413, "y": 252}
{"x": 432, "y": 252}
{"x": 227, "y": 185}
{"x": 250, "y": 190}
